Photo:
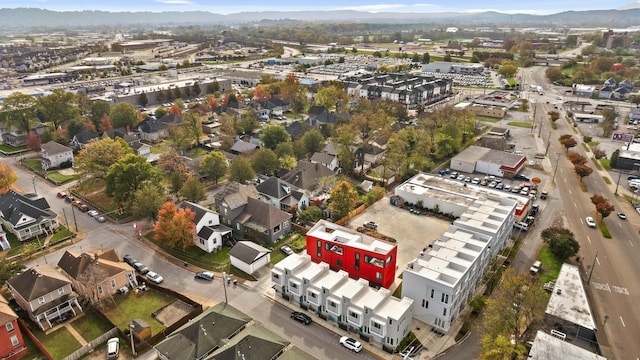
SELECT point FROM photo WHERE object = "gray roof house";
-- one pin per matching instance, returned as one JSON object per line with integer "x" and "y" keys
{"x": 211, "y": 234}
{"x": 152, "y": 130}
{"x": 242, "y": 147}
{"x": 232, "y": 199}
{"x": 45, "y": 294}
{"x": 53, "y": 155}
{"x": 82, "y": 138}
{"x": 282, "y": 195}
{"x": 330, "y": 161}
{"x": 261, "y": 222}
{"x": 26, "y": 216}
{"x": 249, "y": 256}
{"x": 309, "y": 176}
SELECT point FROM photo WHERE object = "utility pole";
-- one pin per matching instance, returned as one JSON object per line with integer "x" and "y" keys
{"x": 75, "y": 222}
{"x": 33, "y": 180}
{"x": 618, "y": 182}
{"x": 540, "y": 129}
{"x": 595, "y": 258}
{"x": 556, "y": 169}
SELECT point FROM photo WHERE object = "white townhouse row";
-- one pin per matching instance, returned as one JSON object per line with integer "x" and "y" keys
{"x": 372, "y": 313}
{"x": 443, "y": 278}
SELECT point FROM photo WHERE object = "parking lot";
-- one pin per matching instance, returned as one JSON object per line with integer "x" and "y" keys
{"x": 412, "y": 232}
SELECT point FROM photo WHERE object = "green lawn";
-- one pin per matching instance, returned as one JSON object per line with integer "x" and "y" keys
{"x": 60, "y": 178}
{"x": 137, "y": 306}
{"x": 61, "y": 233}
{"x": 487, "y": 119}
{"x": 520, "y": 124}
{"x": 10, "y": 149}
{"x": 217, "y": 261}
{"x": 550, "y": 265}
{"x": 59, "y": 343}
{"x": 90, "y": 326}
{"x": 33, "y": 164}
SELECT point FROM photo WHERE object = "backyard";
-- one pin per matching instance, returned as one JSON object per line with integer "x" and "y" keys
{"x": 137, "y": 305}
{"x": 36, "y": 166}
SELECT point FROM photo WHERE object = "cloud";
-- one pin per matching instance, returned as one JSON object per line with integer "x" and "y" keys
{"x": 174, "y": 2}
{"x": 373, "y": 8}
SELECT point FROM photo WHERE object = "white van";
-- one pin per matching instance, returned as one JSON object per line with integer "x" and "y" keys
{"x": 521, "y": 225}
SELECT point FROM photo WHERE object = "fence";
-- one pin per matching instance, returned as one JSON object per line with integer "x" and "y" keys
{"x": 91, "y": 345}
{"x": 351, "y": 214}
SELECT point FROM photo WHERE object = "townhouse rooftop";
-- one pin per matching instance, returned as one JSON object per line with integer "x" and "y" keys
{"x": 329, "y": 231}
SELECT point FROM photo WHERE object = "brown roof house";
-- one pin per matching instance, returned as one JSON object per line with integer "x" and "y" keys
{"x": 97, "y": 274}
{"x": 45, "y": 294}
{"x": 261, "y": 222}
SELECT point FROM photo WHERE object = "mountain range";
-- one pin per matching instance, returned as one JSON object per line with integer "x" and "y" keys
{"x": 21, "y": 18}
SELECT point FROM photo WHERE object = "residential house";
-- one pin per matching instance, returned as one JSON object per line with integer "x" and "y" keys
{"x": 152, "y": 130}
{"x": 232, "y": 200}
{"x": 249, "y": 256}
{"x": 132, "y": 139}
{"x": 241, "y": 147}
{"x": 53, "y": 155}
{"x": 223, "y": 332}
{"x": 211, "y": 235}
{"x": 82, "y": 138}
{"x": 277, "y": 106}
{"x": 45, "y": 294}
{"x": 26, "y": 216}
{"x": 634, "y": 114}
{"x": 9, "y": 135}
{"x": 296, "y": 129}
{"x": 373, "y": 313}
{"x": 12, "y": 345}
{"x": 312, "y": 177}
{"x": 361, "y": 256}
{"x": 319, "y": 115}
{"x": 330, "y": 161}
{"x": 282, "y": 195}
{"x": 97, "y": 274}
{"x": 261, "y": 222}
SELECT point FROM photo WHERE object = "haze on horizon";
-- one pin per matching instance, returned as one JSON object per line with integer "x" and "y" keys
{"x": 543, "y": 7}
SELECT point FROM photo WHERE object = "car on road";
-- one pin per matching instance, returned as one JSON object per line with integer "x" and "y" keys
{"x": 100, "y": 218}
{"x": 590, "y": 222}
{"x": 351, "y": 344}
{"x": 544, "y": 195}
{"x": 155, "y": 277}
{"x": 622, "y": 216}
{"x": 129, "y": 259}
{"x": 69, "y": 199}
{"x": 82, "y": 207}
{"x": 286, "y": 250}
{"x": 301, "y": 317}
{"x": 204, "y": 275}
{"x": 535, "y": 268}
{"x": 62, "y": 195}
{"x": 113, "y": 348}
{"x": 92, "y": 213}
{"x": 140, "y": 267}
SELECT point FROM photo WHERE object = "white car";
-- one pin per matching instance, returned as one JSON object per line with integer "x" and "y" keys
{"x": 351, "y": 344}
{"x": 113, "y": 348}
{"x": 590, "y": 222}
{"x": 155, "y": 277}
{"x": 92, "y": 213}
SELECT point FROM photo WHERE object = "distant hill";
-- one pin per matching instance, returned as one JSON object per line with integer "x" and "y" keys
{"x": 34, "y": 18}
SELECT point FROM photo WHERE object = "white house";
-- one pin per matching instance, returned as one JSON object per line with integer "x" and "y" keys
{"x": 249, "y": 256}
{"x": 53, "y": 155}
{"x": 330, "y": 161}
{"x": 211, "y": 235}
{"x": 371, "y": 312}
{"x": 26, "y": 216}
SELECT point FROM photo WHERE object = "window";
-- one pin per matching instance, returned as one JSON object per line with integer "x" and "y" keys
{"x": 339, "y": 263}
{"x": 432, "y": 292}
{"x": 445, "y": 298}
{"x": 376, "y": 325}
{"x": 293, "y": 285}
{"x": 201, "y": 241}
{"x": 14, "y": 341}
{"x": 353, "y": 314}
{"x": 41, "y": 300}
{"x": 425, "y": 303}
{"x": 378, "y": 276}
{"x": 357, "y": 262}
{"x": 60, "y": 291}
{"x": 113, "y": 283}
{"x": 319, "y": 248}
{"x": 389, "y": 260}
{"x": 9, "y": 326}
{"x": 276, "y": 276}
{"x": 99, "y": 290}
{"x": 313, "y": 295}
{"x": 276, "y": 228}
{"x": 444, "y": 312}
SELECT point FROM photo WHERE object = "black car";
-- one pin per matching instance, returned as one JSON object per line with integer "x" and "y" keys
{"x": 141, "y": 268}
{"x": 521, "y": 177}
{"x": 129, "y": 259}
{"x": 204, "y": 275}
{"x": 301, "y": 317}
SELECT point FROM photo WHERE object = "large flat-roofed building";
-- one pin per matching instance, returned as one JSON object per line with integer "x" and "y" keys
{"x": 360, "y": 255}
{"x": 445, "y": 275}
{"x": 549, "y": 347}
{"x": 351, "y": 303}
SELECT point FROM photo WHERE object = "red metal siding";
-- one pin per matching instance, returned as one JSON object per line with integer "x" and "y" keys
{"x": 6, "y": 347}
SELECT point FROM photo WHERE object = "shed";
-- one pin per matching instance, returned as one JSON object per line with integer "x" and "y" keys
{"x": 249, "y": 256}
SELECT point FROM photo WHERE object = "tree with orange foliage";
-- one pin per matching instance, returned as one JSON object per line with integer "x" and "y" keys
{"x": 175, "y": 110}
{"x": 175, "y": 227}
{"x": 105, "y": 123}
{"x": 33, "y": 141}
{"x": 261, "y": 93}
{"x": 7, "y": 177}
{"x": 214, "y": 103}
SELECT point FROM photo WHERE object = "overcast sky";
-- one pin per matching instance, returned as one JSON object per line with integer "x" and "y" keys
{"x": 226, "y": 6}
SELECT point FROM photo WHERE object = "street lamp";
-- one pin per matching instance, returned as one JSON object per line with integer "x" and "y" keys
{"x": 556, "y": 169}
{"x": 224, "y": 283}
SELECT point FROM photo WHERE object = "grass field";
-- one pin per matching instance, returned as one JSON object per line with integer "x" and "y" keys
{"x": 137, "y": 306}
{"x": 520, "y": 124}
{"x": 59, "y": 343}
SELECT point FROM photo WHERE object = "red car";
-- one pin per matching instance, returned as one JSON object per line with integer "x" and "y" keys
{"x": 62, "y": 195}
{"x": 82, "y": 207}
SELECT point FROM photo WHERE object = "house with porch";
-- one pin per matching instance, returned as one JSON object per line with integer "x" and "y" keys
{"x": 312, "y": 177}
{"x": 54, "y": 155}
{"x": 282, "y": 195}
{"x": 211, "y": 234}
{"x": 97, "y": 273}
{"x": 45, "y": 295}
{"x": 232, "y": 200}
{"x": 26, "y": 216}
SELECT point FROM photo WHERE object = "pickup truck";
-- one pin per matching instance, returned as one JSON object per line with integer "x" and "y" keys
{"x": 370, "y": 225}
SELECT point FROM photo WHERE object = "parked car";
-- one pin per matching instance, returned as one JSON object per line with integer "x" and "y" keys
{"x": 129, "y": 259}
{"x": 92, "y": 213}
{"x": 286, "y": 250}
{"x": 100, "y": 218}
{"x": 140, "y": 267}
{"x": 82, "y": 207}
{"x": 370, "y": 225}
{"x": 62, "y": 195}
{"x": 590, "y": 222}
{"x": 113, "y": 348}
{"x": 453, "y": 175}
{"x": 301, "y": 317}
{"x": 544, "y": 195}
{"x": 204, "y": 275}
{"x": 351, "y": 344}
{"x": 500, "y": 186}
{"x": 461, "y": 178}
{"x": 154, "y": 277}
{"x": 535, "y": 268}
{"x": 69, "y": 199}
{"x": 521, "y": 177}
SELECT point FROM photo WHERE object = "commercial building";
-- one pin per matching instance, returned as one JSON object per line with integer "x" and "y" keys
{"x": 360, "y": 255}
{"x": 351, "y": 303}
